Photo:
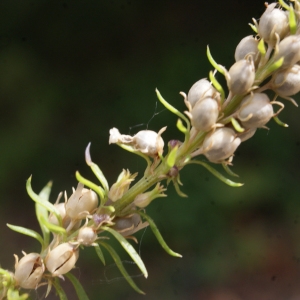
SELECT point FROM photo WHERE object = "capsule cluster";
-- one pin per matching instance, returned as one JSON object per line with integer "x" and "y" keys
{"x": 209, "y": 113}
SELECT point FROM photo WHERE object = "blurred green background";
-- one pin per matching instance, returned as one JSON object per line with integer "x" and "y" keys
{"x": 71, "y": 70}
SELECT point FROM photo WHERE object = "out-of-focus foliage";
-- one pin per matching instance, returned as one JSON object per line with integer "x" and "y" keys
{"x": 71, "y": 70}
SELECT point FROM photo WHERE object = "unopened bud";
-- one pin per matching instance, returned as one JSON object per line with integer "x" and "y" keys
{"x": 87, "y": 236}
{"x": 247, "y": 46}
{"x": 144, "y": 199}
{"x": 199, "y": 90}
{"x": 240, "y": 76}
{"x": 289, "y": 49}
{"x": 29, "y": 270}
{"x": 255, "y": 110}
{"x": 205, "y": 114}
{"x": 220, "y": 145}
{"x": 129, "y": 225}
{"x": 286, "y": 82}
{"x": 273, "y": 21}
{"x": 61, "y": 259}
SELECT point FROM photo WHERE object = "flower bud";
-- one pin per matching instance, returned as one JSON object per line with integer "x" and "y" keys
{"x": 148, "y": 142}
{"x": 29, "y": 270}
{"x": 220, "y": 144}
{"x": 255, "y": 110}
{"x": 87, "y": 236}
{"x": 286, "y": 82}
{"x": 81, "y": 203}
{"x": 61, "y": 259}
{"x": 273, "y": 20}
{"x": 240, "y": 76}
{"x": 202, "y": 88}
{"x": 205, "y": 114}
{"x": 247, "y": 46}
{"x": 119, "y": 188}
{"x": 289, "y": 49}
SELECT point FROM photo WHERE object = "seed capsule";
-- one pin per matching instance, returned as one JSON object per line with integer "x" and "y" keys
{"x": 29, "y": 270}
{"x": 240, "y": 76}
{"x": 86, "y": 236}
{"x": 255, "y": 110}
{"x": 220, "y": 144}
{"x": 289, "y": 49}
{"x": 61, "y": 259}
{"x": 199, "y": 90}
{"x": 205, "y": 114}
{"x": 286, "y": 82}
{"x": 81, "y": 203}
{"x": 247, "y": 46}
{"x": 273, "y": 21}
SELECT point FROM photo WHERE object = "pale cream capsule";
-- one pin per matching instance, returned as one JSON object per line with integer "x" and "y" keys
{"x": 255, "y": 110}
{"x": 220, "y": 145}
{"x": 247, "y": 46}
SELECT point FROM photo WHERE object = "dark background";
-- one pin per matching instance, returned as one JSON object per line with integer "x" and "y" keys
{"x": 71, "y": 70}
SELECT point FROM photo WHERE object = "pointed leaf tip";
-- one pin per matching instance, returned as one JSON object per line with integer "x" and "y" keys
{"x": 88, "y": 158}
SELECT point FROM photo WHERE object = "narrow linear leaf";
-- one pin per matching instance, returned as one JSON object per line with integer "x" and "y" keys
{"x": 172, "y": 108}
{"x": 42, "y": 211}
{"x": 119, "y": 264}
{"x": 172, "y": 157}
{"x": 279, "y": 122}
{"x": 177, "y": 189}
{"x": 78, "y": 287}
{"x": 217, "y": 85}
{"x": 261, "y": 47}
{"x": 36, "y": 198}
{"x": 129, "y": 249}
{"x": 218, "y": 67}
{"x": 236, "y": 125}
{"x": 292, "y": 20}
{"x": 53, "y": 228}
{"x": 15, "y": 295}
{"x": 28, "y": 232}
{"x": 95, "y": 168}
{"x": 229, "y": 171}
{"x": 59, "y": 290}
{"x": 158, "y": 235}
{"x": 216, "y": 173}
{"x": 100, "y": 253}
{"x": 181, "y": 127}
{"x": 98, "y": 189}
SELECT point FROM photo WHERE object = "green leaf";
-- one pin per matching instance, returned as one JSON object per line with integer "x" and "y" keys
{"x": 128, "y": 247}
{"x": 218, "y": 67}
{"x": 158, "y": 235}
{"x": 236, "y": 125}
{"x": 95, "y": 168}
{"x": 253, "y": 27}
{"x": 59, "y": 290}
{"x": 172, "y": 157}
{"x": 98, "y": 189}
{"x": 13, "y": 294}
{"x": 279, "y": 122}
{"x": 217, "y": 85}
{"x": 78, "y": 287}
{"x": 36, "y": 198}
{"x": 292, "y": 20}
{"x": 181, "y": 127}
{"x": 216, "y": 173}
{"x": 53, "y": 228}
{"x": 41, "y": 211}
{"x": 28, "y": 232}
{"x": 172, "y": 109}
{"x": 100, "y": 253}
{"x": 228, "y": 170}
{"x": 261, "y": 47}
{"x": 119, "y": 264}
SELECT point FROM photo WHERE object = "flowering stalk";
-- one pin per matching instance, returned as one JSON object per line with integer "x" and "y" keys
{"x": 213, "y": 126}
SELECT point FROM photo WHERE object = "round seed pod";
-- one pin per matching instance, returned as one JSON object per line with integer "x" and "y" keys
{"x": 220, "y": 144}
{"x": 273, "y": 20}
{"x": 148, "y": 142}
{"x": 289, "y": 49}
{"x": 241, "y": 76}
{"x": 286, "y": 82}
{"x": 247, "y": 46}
{"x": 202, "y": 88}
{"x": 87, "y": 236}
{"x": 205, "y": 114}
{"x": 255, "y": 110}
